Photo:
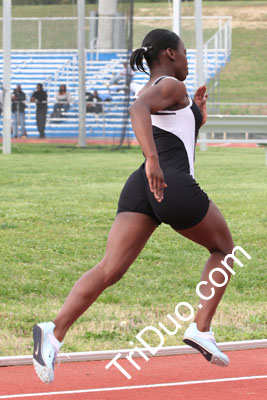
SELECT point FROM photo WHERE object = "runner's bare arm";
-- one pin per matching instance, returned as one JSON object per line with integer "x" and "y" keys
{"x": 155, "y": 98}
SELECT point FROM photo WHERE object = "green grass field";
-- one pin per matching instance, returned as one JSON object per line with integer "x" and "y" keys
{"x": 56, "y": 207}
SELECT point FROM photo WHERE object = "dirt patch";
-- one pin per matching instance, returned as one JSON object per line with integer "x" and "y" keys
{"x": 243, "y": 16}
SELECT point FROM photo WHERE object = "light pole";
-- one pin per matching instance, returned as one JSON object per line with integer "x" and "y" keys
{"x": 6, "y": 76}
{"x": 199, "y": 43}
{"x": 107, "y": 10}
{"x": 81, "y": 67}
{"x": 176, "y": 23}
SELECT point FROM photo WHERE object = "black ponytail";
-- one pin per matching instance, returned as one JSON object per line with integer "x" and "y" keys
{"x": 154, "y": 42}
{"x": 137, "y": 60}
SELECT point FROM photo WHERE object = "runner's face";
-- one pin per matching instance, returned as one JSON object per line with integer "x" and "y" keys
{"x": 181, "y": 62}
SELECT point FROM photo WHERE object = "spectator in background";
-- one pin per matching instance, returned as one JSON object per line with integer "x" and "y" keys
{"x": 40, "y": 98}
{"x": 124, "y": 73}
{"x": 63, "y": 100}
{"x": 92, "y": 102}
{"x": 18, "y": 106}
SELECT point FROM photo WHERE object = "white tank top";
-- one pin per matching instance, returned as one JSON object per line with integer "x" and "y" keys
{"x": 181, "y": 123}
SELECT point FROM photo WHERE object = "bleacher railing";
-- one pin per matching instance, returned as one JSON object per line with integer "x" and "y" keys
{"x": 220, "y": 42}
{"x": 66, "y": 71}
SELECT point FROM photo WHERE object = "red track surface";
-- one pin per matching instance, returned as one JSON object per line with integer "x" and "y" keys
{"x": 184, "y": 373}
{"x": 109, "y": 142}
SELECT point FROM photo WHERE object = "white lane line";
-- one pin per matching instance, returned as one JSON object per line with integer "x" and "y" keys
{"x": 157, "y": 385}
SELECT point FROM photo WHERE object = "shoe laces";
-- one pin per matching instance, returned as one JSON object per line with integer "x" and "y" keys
{"x": 208, "y": 336}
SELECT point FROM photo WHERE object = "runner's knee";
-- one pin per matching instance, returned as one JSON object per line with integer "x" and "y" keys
{"x": 112, "y": 272}
{"x": 114, "y": 278}
{"x": 224, "y": 246}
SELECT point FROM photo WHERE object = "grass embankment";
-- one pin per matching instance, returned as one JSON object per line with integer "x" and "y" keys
{"x": 56, "y": 207}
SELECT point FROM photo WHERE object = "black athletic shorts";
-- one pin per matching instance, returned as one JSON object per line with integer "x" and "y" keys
{"x": 184, "y": 205}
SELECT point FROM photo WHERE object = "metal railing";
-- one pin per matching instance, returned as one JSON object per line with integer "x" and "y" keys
{"x": 220, "y": 42}
{"x": 67, "y": 70}
{"x": 236, "y": 123}
{"x": 253, "y": 128}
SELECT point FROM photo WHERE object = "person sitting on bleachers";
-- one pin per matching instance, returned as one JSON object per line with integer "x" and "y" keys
{"x": 124, "y": 74}
{"x": 92, "y": 102}
{"x": 63, "y": 100}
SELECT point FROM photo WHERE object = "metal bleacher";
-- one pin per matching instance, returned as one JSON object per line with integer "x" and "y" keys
{"x": 55, "y": 67}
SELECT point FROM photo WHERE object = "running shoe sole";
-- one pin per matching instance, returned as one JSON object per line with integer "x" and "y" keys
{"x": 212, "y": 358}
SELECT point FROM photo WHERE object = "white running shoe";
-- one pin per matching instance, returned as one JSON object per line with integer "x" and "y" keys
{"x": 46, "y": 348}
{"x": 206, "y": 344}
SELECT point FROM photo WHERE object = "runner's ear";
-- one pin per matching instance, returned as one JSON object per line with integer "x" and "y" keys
{"x": 170, "y": 53}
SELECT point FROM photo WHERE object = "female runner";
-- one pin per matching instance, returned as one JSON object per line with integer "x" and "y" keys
{"x": 165, "y": 121}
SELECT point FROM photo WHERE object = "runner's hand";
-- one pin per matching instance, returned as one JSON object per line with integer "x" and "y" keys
{"x": 155, "y": 179}
{"x": 200, "y": 99}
